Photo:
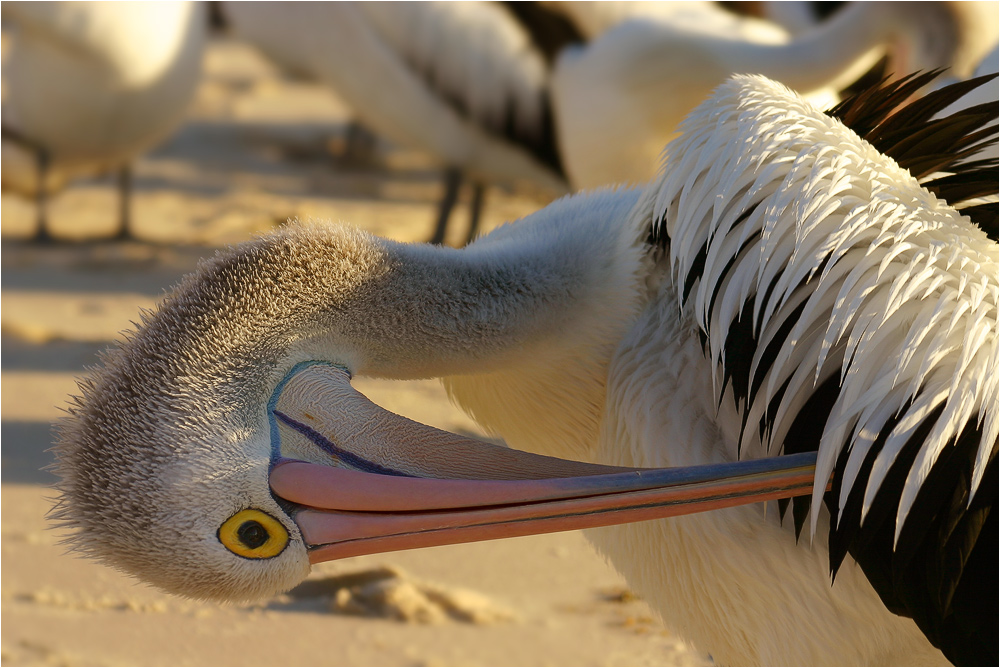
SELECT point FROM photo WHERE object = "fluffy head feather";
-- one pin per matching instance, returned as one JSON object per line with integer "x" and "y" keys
{"x": 170, "y": 438}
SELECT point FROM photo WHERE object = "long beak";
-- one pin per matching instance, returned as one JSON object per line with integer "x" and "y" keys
{"x": 377, "y": 482}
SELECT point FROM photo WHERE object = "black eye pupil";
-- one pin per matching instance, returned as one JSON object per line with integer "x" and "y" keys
{"x": 252, "y": 534}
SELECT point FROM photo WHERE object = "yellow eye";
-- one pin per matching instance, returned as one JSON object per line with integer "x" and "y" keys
{"x": 253, "y": 534}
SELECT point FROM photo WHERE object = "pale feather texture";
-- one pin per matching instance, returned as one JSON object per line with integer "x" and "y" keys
{"x": 170, "y": 437}
{"x": 898, "y": 293}
{"x": 735, "y": 582}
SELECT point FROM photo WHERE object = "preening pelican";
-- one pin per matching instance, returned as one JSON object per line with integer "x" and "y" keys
{"x": 783, "y": 288}
{"x": 90, "y": 86}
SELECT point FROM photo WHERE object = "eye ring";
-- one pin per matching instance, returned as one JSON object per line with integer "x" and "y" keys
{"x": 253, "y": 534}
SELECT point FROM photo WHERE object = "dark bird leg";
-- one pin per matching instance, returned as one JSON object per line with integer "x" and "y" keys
{"x": 124, "y": 203}
{"x": 475, "y": 209}
{"x": 42, "y": 162}
{"x": 452, "y": 182}
{"x": 359, "y": 144}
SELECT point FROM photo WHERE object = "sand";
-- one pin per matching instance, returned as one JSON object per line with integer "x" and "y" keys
{"x": 257, "y": 149}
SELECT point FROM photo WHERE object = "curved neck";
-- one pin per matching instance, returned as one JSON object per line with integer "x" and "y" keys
{"x": 527, "y": 293}
{"x": 535, "y": 300}
{"x": 523, "y": 295}
{"x": 669, "y": 61}
{"x": 835, "y": 53}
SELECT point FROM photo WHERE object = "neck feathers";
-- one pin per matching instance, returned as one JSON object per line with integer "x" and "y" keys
{"x": 597, "y": 244}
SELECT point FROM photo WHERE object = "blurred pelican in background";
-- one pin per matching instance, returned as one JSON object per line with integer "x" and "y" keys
{"x": 90, "y": 86}
{"x": 577, "y": 95}
{"x": 462, "y": 81}
{"x": 620, "y": 99}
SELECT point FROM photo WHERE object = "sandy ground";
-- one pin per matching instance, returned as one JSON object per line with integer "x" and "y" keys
{"x": 256, "y": 150}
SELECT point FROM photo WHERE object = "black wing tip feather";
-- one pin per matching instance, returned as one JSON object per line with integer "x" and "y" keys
{"x": 929, "y": 573}
{"x": 882, "y": 116}
{"x": 540, "y": 140}
{"x": 550, "y": 31}
{"x": 909, "y": 133}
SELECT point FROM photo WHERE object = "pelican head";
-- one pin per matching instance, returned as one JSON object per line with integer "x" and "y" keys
{"x": 221, "y": 448}
{"x": 165, "y": 460}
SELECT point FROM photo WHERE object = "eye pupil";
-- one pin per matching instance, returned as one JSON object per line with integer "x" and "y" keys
{"x": 252, "y": 534}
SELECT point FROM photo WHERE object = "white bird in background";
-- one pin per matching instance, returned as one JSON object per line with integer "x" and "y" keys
{"x": 498, "y": 93}
{"x": 618, "y": 101}
{"x": 781, "y": 287}
{"x": 460, "y": 80}
{"x": 92, "y": 85}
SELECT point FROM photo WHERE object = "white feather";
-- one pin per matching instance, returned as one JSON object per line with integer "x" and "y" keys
{"x": 889, "y": 248}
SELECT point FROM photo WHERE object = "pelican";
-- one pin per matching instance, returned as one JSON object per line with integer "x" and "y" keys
{"x": 619, "y": 99}
{"x": 784, "y": 311}
{"x": 90, "y": 86}
{"x": 485, "y": 89}
{"x": 461, "y": 81}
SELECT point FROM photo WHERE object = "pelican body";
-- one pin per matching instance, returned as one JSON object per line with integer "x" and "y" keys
{"x": 784, "y": 311}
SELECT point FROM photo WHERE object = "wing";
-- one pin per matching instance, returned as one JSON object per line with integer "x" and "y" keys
{"x": 482, "y": 61}
{"x": 852, "y": 311}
